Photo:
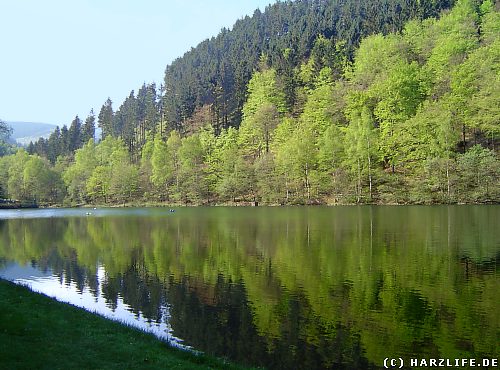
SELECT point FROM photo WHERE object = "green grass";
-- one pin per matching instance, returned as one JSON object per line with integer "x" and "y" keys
{"x": 37, "y": 332}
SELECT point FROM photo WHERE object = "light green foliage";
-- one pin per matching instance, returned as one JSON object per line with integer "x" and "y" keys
{"x": 78, "y": 173}
{"x": 456, "y": 36}
{"x": 147, "y": 150}
{"x": 231, "y": 173}
{"x": 30, "y": 178}
{"x": 282, "y": 145}
{"x": 226, "y": 142}
{"x": 479, "y": 170}
{"x": 490, "y": 22}
{"x": 268, "y": 184}
{"x": 208, "y": 141}
{"x": 262, "y": 89}
{"x": 97, "y": 186}
{"x": 376, "y": 56}
{"x": 173, "y": 145}
{"x": 145, "y": 167}
{"x": 306, "y": 74}
{"x": 191, "y": 171}
{"x": 304, "y": 153}
{"x": 420, "y": 36}
{"x": 398, "y": 99}
{"x": 124, "y": 181}
{"x": 428, "y": 141}
{"x": 159, "y": 163}
{"x": 39, "y": 180}
{"x": 165, "y": 166}
{"x": 4, "y": 175}
{"x": 238, "y": 180}
{"x": 298, "y": 143}
{"x": 102, "y": 173}
{"x": 360, "y": 147}
{"x": 393, "y": 91}
{"x": 436, "y": 182}
{"x": 260, "y": 113}
{"x": 15, "y": 183}
{"x": 256, "y": 133}
{"x": 283, "y": 133}
{"x": 285, "y": 166}
{"x": 330, "y": 160}
{"x": 476, "y": 90}
{"x": 320, "y": 105}
{"x": 297, "y": 162}
{"x": 431, "y": 133}
{"x": 105, "y": 149}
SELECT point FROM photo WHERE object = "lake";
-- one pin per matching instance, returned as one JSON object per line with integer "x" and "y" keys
{"x": 284, "y": 288}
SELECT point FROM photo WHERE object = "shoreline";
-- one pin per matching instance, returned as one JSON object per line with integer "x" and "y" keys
{"x": 59, "y": 335}
{"x": 147, "y": 204}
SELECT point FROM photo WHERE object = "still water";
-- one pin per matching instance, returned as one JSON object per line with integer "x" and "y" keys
{"x": 284, "y": 288}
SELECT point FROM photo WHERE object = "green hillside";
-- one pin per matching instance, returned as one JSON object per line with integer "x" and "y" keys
{"x": 386, "y": 105}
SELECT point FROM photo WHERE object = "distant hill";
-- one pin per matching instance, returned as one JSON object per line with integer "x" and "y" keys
{"x": 24, "y": 132}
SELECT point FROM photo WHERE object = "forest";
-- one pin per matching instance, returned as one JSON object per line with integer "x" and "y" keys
{"x": 309, "y": 102}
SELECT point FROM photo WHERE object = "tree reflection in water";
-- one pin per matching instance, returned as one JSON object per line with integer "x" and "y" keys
{"x": 338, "y": 287}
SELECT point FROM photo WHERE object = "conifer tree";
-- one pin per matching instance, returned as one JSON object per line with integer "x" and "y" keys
{"x": 105, "y": 119}
{"x": 88, "y": 128}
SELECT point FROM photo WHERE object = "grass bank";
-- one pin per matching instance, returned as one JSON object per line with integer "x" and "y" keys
{"x": 37, "y": 332}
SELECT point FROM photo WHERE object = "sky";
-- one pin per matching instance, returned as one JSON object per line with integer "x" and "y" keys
{"x": 61, "y": 58}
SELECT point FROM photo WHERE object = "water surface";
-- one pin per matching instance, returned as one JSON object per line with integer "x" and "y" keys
{"x": 293, "y": 287}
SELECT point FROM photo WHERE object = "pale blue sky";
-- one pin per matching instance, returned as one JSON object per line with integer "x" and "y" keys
{"x": 60, "y": 58}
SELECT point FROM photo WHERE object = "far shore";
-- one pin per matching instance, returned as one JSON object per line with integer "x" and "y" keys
{"x": 226, "y": 204}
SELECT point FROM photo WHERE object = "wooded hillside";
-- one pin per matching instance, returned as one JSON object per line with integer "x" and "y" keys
{"x": 329, "y": 109}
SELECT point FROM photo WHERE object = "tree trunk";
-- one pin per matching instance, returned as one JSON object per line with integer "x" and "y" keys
{"x": 359, "y": 183}
{"x": 287, "y": 190}
{"x": 369, "y": 168}
{"x": 464, "y": 143}
{"x": 308, "y": 187}
{"x": 448, "y": 178}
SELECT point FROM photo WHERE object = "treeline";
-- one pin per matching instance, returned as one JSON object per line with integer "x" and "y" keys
{"x": 209, "y": 83}
{"x": 413, "y": 118}
{"x": 138, "y": 114}
{"x": 65, "y": 141}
